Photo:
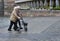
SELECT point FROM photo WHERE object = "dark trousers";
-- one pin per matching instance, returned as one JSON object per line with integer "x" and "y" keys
{"x": 11, "y": 24}
{"x": 18, "y": 21}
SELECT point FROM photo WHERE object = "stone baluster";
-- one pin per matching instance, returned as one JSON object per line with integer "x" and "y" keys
{"x": 57, "y": 3}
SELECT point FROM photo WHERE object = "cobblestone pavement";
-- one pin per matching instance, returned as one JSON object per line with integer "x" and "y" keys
{"x": 39, "y": 29}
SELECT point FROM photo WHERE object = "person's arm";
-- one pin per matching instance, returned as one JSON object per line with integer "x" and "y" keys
{"x": 16, "y": 15}
{"x": 21, "y": 16}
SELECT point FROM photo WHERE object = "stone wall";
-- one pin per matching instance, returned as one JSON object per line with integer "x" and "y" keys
{"x": 33, "y": 13}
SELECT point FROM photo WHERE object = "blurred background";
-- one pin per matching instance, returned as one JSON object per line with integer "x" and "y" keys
{"x": 31, "y": 7}
{"x": 39, "y": 28}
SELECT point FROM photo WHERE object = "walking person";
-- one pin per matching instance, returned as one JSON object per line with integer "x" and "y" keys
{"x": 13, "y": 18}
{"x": 18, "y": 21}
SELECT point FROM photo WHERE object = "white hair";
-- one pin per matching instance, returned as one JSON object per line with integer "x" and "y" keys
{"x": 17, "y": 7}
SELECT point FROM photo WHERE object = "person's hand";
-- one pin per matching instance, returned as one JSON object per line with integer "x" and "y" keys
{"x": 18, "y": 17}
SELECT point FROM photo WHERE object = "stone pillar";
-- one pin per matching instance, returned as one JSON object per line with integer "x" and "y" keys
{"x": 34, "y": 4}
{"x": 51, "y": 4}
{"x": 37, "y": 4}
{"x": 57, "y": 3}
{"x": 45, "y": 3}
{"x": 31, "y": 4}
{"x": 41, "y": 3}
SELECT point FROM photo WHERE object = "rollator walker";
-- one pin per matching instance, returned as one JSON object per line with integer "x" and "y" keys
{"x": 23, "y": 24}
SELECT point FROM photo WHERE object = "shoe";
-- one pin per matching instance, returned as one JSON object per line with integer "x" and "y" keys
{"x": 17, "y": 30}
{"x": 21, "y": 28}
{"x": 9, "y": 30}
{"x": 25, "y": 29}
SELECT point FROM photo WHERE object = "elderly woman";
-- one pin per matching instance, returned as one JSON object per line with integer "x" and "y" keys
{"x": 13, "y": 18}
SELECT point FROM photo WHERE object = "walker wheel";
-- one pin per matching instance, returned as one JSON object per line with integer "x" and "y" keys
{"x": 25, "y": 29}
